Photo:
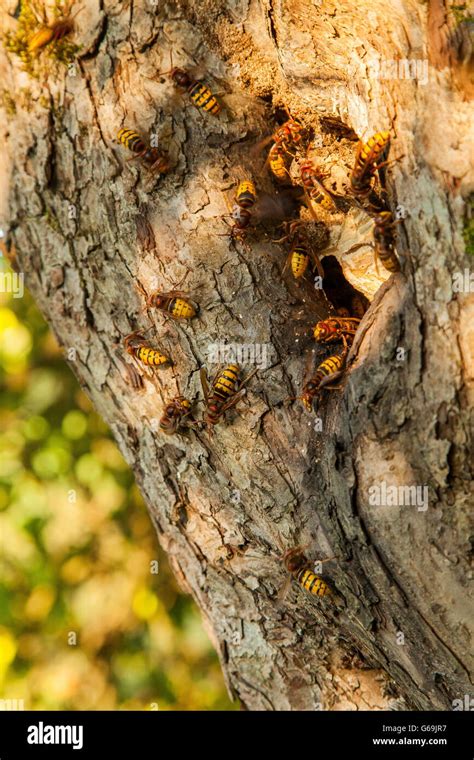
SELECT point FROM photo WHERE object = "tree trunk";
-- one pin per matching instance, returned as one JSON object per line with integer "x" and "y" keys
{"x": 93, "y": 233}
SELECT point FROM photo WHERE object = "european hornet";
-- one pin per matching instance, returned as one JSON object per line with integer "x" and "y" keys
{"x": 300, "y": 569}
{"x": 174, "y": 304}
{"x": 251, "y": 208}
{"x": 201, "y": 96}
{"x": 288, "y": 135}
{"x": 370, "y": 158}
{"x": 384, "y": 240}
{"x": 52, "y": 31}
{"x": 245, "y": 199}
{"x": 155, "y": 159}
{"x": 176, "y": 414}
{"x": 225, "y": 392}
{"x": 328, "y": 372}
{"x": 136, "y": 345}
{"x": 300, "y": 254}
{"x": 333, "y": 329}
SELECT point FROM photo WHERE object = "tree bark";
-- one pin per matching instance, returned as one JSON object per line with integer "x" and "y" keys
{"x": 93, "y": 233}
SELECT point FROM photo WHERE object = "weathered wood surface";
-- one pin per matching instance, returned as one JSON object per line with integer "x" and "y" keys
{"x": 224, "y": 507}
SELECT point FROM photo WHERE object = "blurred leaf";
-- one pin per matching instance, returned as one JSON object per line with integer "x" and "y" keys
{"x": 74, "y": 425}
{"x": 144, "y": 603}
{"x": 39, "y": 603}
{"x": 35, "y": 428}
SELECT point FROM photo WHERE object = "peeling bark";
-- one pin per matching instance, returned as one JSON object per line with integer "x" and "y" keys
{"x": 224, "y": 506}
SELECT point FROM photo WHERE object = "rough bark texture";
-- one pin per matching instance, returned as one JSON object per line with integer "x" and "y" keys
{"x": 225, "y": 506}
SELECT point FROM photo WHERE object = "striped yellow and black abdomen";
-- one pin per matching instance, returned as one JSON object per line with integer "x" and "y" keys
{"x": 388, "y": 257}
{"x": 367, "y": 159}
{"x": 331, "y": 365}
{"x": 226, "y": 383}
{"x": 320, "y": 195}
{"x": 312, "y": 582}
{"x": 181, "y": 309}
{"x": 374, "y": 148}
{"x": 150, "y": 356}
{"x": 277, "y": 163}
{"x": 299, "y": 261}
{"x": 246, "y": 194}
{"x": 390, "y": 262}
{"x": 376, "y": 144}
{"x": 131, "y": 140}
{"x": 203, "y": 98}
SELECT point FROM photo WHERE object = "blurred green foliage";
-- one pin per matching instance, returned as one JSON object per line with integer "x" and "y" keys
{"x": 468, "y": 227}
{"x": 85, "y": 623}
